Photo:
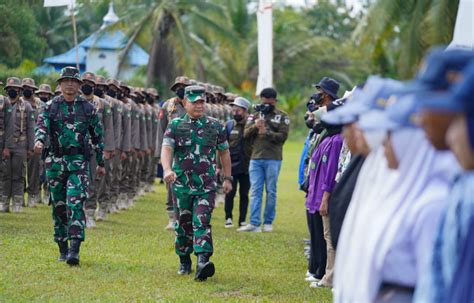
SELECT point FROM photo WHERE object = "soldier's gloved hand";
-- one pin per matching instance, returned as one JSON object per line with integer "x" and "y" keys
{"x": 5, "y": 153}
{"x": 170, "y": 176}
{"x": 100, "y": 171}
{"x": 227, "y": 186}
{"x": 38, "y": 148}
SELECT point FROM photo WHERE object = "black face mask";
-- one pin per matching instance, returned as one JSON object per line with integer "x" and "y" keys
{"x": 98, "y": 92}
{"x": 27, "y": 93}
{"x": 180, "y": 92}
{"x": 238, "y": 118}
{"x": 44, "y": 99}
{"x": 309, "y": 122}
{"x": 87, "y": 89}
{"x": 112, "y": 93}
{"x": 12, "y": 93}
{"x": 120, "y": 95}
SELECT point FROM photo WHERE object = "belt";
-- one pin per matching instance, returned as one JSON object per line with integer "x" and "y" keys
{"x": 19, "y": 139}
{"x": 71, "y": 151}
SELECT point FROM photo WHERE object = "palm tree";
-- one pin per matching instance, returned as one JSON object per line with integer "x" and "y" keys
{"x": 172, "y": 24}
{"x": 398, "y": 32}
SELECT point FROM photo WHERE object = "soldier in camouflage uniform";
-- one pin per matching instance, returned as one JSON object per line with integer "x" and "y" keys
{"x": 126, "y": 186}
{"x": 33, "y": 168}
{"x": 104, "y": 113}
{"x": 19, "y": 141}
{"x": 189, "y": 163}
{"x": 5, "y": 116}
{"x": 45, "y": 94}
{"x": 171, "y": 109}
{"x": 146, "y": 161}
{"x": 155, "y": 106}
{"x": 69, "y": 122}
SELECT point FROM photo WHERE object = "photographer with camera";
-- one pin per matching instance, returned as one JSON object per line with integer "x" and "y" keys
{"x": 268, "y": 130}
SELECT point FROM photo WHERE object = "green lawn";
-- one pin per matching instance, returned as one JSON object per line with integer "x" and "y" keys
{"x": 131, "y": 258}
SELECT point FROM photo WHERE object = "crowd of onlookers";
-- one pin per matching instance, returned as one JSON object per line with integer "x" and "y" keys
{"x": 388, "y": 175}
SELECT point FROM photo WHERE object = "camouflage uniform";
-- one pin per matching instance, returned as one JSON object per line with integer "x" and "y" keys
{"x": 33, "y": 167}
{"x": 194, "y": 143}
{"x": 126, "y": 187}
{"x": 155, "y": 123}
{"x": 69, "y": 129}
{"x": 145, "y": 174}
{"x": 5, "y": 115}
{"x": 138, "y": 131}
{"x": 20, "y": 140}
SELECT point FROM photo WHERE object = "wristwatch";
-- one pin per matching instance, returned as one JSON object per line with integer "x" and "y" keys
{"x": 229, "y": 178}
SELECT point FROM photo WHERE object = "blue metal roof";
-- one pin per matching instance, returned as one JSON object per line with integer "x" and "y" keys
{"x": 115, "y": 40}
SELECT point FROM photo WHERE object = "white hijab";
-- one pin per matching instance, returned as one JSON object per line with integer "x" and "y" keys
{"x": 378, "y": 195}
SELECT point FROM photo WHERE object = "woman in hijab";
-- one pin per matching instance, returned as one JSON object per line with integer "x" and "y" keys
{"x": 391, "y": 219}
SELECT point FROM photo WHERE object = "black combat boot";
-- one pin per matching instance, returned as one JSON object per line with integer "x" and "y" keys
{"x": 185, "y": 265}
{"x": 63, "y": 250}
{"x": 73, "y": 255}
{"x": 204, "y": 268}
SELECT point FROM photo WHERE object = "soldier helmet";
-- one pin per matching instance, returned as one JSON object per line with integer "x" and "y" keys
{"x": 57, "y": 90}
{"x": 241, "y": 102}
{"x": 28, "y": 82}
{"x": 100, "y": 80}
{"x": 69, "y": 72}
{"x": 194, "y": 93}
{"x": 124, "y": 86}
{"x": 13, "y": 82}
{"x": 230, "y": 96}
{"x": 113, "y": 82}
{"x": 180, "y": 80}
{"x": 45, "y": 89}
{"x": 89, "y": 77}
{"x": 152, "y": 91}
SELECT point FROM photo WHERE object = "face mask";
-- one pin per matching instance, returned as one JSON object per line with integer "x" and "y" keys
{"x": 112, "y": 93}
{"x": 119, "y": 95}
{"x": 87, "y": 89}
{"x": 44, "y": 99}
{"x": 27, "y": 93}
{"x": 238, "y": 118}
{"x": 98, "y": 92}
{"x": 180, "y": 92}
{"x": 12, "y": 93}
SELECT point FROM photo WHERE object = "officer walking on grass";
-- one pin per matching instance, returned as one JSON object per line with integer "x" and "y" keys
{"x": 189, "y": 163}
{"x": 69, "y": 122}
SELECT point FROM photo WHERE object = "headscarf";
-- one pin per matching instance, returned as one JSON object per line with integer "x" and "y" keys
{"x": 376, "y": 201}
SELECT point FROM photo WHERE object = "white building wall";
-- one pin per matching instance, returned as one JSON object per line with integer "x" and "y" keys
{"x": 97, "y": 59}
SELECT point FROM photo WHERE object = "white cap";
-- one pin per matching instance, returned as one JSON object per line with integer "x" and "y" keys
{"x": 241, "y": 102}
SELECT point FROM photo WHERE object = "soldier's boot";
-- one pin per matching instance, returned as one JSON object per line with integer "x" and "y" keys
{"x": 46, "y": 197}
{"x": 102, "y": 213}
{"x": 63, "y": 250}
{"x": 18, "y": 203}
{"x": 31, "y": 202}
{"x": 204, "y": 267}
{"x": 4, "y": 204}
{"x": 90, "y": 222}
{"x": 185, "y": 265}
{"x": 73, "y": 254}
{"x": 122, "y": 201}
{"x": 171, "y": 221}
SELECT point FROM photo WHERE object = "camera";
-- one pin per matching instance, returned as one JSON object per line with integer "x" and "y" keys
{"x": 262, "y": 108}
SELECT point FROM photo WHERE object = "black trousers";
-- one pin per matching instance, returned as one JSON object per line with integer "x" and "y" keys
{"x": 318, "y": 256}
{"x": 244, "y": 186}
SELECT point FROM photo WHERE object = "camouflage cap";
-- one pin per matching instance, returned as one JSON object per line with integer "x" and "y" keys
{"x": 180, "y": 80}
{"x": 100, "y": 80}
{"x": 113, "y": 82}
{"x": 70, "y": 72}
{"x": 220, "y": 90}
{"x": 194, "y": 93}
{"x": 193, "y": 82}
{"x": 45, "y": 89}
{"x": 152, "y": 91}
{"x": 89, "y": 77}
{"x": 124, "y": 85}
{"x": 230, "y": 96}
{"x": 29, "y": 83}
{"x": 57, "y": 90}
{"x": 13, "y": 82}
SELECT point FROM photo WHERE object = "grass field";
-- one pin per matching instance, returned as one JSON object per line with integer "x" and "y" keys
{"x": 131, "y": 257}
